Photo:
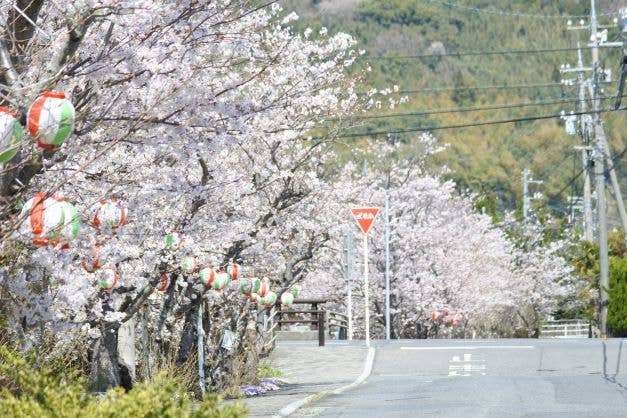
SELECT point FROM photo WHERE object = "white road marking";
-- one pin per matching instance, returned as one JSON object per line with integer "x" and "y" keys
{"x": 465, "y": 366}
{"x": 476, "y": 347}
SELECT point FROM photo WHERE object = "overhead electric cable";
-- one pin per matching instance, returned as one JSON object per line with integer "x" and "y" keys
{"x": 513, "y": 14}
{"x": 464, "y": 125}
{"x": 471, "y": 88}
{"x": 475, "y": 53}
{"x": 477, "y": 108}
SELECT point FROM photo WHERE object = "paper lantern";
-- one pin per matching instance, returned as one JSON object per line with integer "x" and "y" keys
{"x": 108, "y": 215}
{"x": 99, "y": 256}
{"x": 164, "y": 283}
{"x": 445, "y": 312}
{"x": 264, "y": 287}
{"x": 435, "y": 315}
{"x": 248, "y": 286}
{"x": 10, "y": 134}
{"x": 189, "y": 265}
{"x": 173, "y": 240}
{"x": 296, "y": 289}
{"x": 221, "y": 281}
{"x": 207, "y": 275}
{"x": 107, "y": 278}
{"x": 51, "y": 119}
{"x": 43, "y": 219}
{"x": 254, "y": 297}
{"x": 269, "y": 299}
{"x": 234, "y": 270}
{"x": 287, "y": 298}
{"x": 71, "y": 224}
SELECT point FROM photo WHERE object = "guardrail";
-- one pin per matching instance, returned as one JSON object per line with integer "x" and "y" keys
{"x": 566, "y": 328}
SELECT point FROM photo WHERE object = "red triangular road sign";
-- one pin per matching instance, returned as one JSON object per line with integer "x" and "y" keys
{"x": 365, "y": 217}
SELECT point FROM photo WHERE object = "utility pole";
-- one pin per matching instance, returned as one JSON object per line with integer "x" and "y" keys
{"x": 350, "y": 251}
{"x": 527, "y": 180}
{"x": 584, "y": 128}
{"x": 601, "y": 153}
{"x": 599, "y": 172}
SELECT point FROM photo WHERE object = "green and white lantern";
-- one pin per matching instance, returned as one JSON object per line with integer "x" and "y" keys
{"x": 296, "y": 289}
{"x": 189, "y": 265}
{"x": 51, "y": 119}
{"x": 173, "y": 240}
{"x": 71, "y": 224}
{"x": 221, "y": 281}
{"x": 207, "y": 276}
{"x": 269, "y": 299}
{"x": 248, "y": 286}
{"x": 107, "y": 278}
{"x": 287, "y": 298}
{"x": 10, "y": 134}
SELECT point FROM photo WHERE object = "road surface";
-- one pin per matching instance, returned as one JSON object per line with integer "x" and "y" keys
{"x": 488, "y": 378}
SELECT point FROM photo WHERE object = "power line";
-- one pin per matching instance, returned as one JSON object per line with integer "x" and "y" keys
{"x": 474, "y": 53}
{"x": 463, "y": 125}
{"x": 576, "y": 176}
{"x": 471, "y": 88}
{"x": 476, "y": 108}
{"x": 497, "y": 12}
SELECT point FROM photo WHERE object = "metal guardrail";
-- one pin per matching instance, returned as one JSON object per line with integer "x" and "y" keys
{"x": 565, "y": 328}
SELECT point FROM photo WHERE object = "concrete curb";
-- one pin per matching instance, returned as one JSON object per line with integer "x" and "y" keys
{"x": 294, "y": 406}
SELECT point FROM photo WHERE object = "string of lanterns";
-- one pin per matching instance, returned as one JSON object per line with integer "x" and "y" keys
{"x": 52, "y": 221}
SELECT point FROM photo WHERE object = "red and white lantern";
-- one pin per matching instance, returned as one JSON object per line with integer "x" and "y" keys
{"x": 234, "y": 270}
{"x": 44, "y": 217}
{"x": 164, "y": 283}
{"x": 51, "y": 119}
{"x": 108, "y": 215}
{"x": 264, "y": 287}
{"x": 435, "y": 315}
{"x": 207, "y": 275}
{"x": 98, "y": 258}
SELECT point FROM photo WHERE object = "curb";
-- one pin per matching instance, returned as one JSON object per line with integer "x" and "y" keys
{"x": 294, "y": 406}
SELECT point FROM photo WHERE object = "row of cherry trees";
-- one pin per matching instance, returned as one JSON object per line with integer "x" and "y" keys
{"x": 196, "y": 116}
{"x": 193, "y": 116}
{"x": 446, "y": 259}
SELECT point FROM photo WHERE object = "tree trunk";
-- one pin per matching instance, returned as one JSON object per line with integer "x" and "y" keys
{"x": 105, "y": 371}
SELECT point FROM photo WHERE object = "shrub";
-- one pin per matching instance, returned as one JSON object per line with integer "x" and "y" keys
{"x": 30, "y": 392}
{"x": 617, "y": 309}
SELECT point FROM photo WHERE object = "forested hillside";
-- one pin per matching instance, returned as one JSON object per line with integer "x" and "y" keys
{"x": 397, "y": 34}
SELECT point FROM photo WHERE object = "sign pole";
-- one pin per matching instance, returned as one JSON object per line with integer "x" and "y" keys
{"x": 387, "y": 267}
{"x": 364, "y": 218}
{"x": 366, "y": 300}
{"x": 349, "y": 282}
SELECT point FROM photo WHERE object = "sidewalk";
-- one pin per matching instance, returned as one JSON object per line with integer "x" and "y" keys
{"x": 309, "y": 370}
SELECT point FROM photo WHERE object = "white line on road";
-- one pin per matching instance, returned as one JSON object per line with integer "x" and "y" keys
{"x": 477, "y": 347}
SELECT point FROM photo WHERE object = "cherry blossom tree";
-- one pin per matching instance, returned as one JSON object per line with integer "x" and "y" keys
{"x": 193, "y": 118}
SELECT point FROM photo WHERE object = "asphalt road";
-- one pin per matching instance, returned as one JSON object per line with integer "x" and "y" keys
{"x": 488, "y": 378}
